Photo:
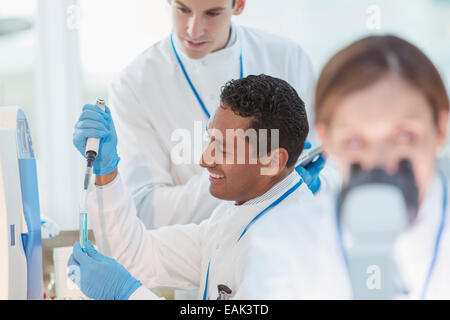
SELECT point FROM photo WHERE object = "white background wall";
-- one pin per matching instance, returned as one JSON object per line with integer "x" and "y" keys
{"x": 112, "y": 32}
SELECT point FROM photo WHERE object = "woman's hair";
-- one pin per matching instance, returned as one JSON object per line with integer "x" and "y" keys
{"x": 366, "y": 61}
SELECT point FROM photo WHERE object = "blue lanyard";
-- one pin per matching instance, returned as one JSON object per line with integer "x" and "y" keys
{"x": 436, "y": 245}
{"x": 207, "y": 278}
{"x": 438, "y": 239}
{"x": 271, "y": 206}
{"x": 188, "y": 79}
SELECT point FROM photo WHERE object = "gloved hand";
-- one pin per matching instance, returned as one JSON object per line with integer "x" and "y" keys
{"x": 100, "y": 277}
{"x": 310, "y": 173}
{"x": 96, "y": 123}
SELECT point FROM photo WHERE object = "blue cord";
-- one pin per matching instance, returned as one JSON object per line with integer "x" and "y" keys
{"x": 188, "y": 79}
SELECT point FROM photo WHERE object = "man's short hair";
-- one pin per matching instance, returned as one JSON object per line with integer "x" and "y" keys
{"x": 272, "y": 104}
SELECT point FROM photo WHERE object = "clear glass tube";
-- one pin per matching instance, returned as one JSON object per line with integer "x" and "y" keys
{"x": 83, "y": 230}
{"x": 83, "y": 220}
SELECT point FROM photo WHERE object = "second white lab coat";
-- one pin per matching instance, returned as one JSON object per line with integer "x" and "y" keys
{"x": 178, "y": 256}
{"x": 151, "y": 99}
{"x": 318, "y": 271}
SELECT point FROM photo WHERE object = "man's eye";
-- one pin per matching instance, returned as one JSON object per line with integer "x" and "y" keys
{"x": 183, "y": 10}
{"x": 213, "y": 14}
{"x": 221, "y": 150}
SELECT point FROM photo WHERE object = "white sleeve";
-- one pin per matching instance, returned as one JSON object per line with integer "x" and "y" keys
{"x": 305, "y": 85}
{"x": 146, "y": 167}
{"x": 169, "y": 257}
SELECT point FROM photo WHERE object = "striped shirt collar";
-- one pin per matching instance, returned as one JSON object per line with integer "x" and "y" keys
{"x": 277, "y": 189}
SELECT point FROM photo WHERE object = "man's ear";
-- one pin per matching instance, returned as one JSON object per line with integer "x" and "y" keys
{"x": 274, "y": 162}
{"x": 239, "y": 7}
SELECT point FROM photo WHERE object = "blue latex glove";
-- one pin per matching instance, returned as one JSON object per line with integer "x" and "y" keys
{"x": 307, "y": 145}
{"x": 100, "y": 277}
{"x": 96, "y": 123}
{"x": 310, "y": 174}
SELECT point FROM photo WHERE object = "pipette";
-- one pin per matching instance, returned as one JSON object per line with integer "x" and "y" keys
{"x": 92, "y": 145}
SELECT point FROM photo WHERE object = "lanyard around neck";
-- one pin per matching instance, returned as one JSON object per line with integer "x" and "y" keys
{"x": 267, "y": 209}
{"x": 438, "y": 238}
{"x": 188, "y": 79}
{"x": 273, "y": 205}
{"x": 436, "y": 244}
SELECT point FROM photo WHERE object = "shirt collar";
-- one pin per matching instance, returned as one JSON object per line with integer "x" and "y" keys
{"x": 233, "y": 36}
{"x": 230, "y": 50}
{"x": 276, "y": 190}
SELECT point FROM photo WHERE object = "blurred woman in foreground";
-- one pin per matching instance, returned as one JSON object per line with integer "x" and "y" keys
{"x": 378, "y": 101}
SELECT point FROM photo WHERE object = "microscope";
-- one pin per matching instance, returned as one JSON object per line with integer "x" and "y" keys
{"x": 374, "y": 208}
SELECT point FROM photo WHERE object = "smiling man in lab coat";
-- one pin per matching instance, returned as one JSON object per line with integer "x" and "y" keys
{"x": 177, "y": 82}
{"x": 210, "y": 256}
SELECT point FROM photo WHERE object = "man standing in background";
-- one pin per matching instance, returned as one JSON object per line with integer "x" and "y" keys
{"x": 177, "y": 82}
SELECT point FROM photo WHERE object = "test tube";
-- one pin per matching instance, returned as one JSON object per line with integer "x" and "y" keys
{"x": 83, "y": 220}
{"x": 83, "y": 231}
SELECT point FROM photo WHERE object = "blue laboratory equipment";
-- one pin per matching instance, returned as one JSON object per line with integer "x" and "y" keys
{"x": 20, "y": 222}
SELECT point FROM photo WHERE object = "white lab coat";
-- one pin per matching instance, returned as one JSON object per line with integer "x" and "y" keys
{"x": 178, "y": 256}
{"x": 294, "y": 270}
{"x": 151, "y": 98}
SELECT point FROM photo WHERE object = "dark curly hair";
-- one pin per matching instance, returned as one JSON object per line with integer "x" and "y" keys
{"x": 272, "y": 104}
